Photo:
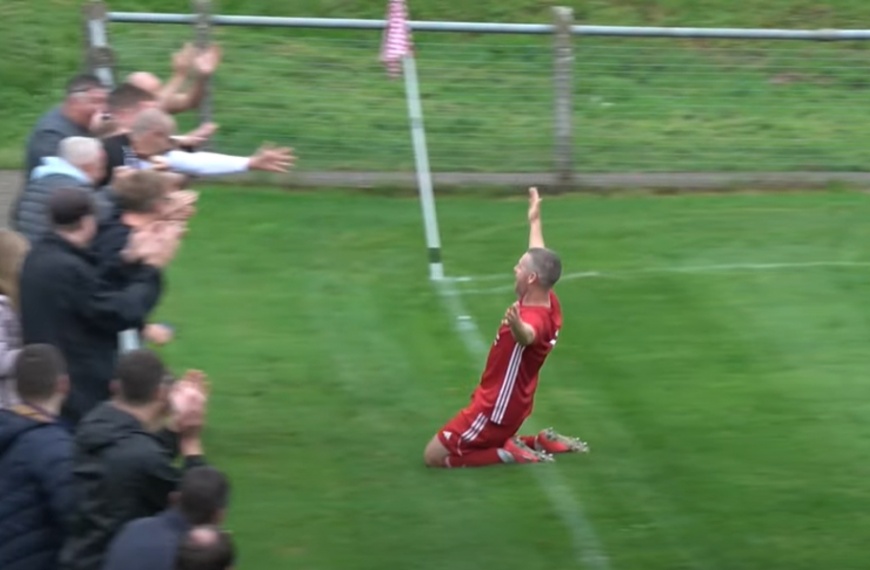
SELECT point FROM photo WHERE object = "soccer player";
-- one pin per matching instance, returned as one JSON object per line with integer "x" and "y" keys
{"x": 484, "y": 433}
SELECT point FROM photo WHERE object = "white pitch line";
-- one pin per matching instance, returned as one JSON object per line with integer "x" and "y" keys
{"x": 588, "y": 550}
{"x": 627, "y": 273}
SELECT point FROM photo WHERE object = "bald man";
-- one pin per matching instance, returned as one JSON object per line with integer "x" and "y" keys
{"x": 150, "y": 144}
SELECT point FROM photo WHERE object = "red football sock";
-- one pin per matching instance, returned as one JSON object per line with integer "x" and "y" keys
{"x": 480, "y": 458}
{"x": 529, "y": 440}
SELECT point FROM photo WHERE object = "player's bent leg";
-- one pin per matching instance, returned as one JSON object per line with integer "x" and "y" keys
{"x": 471, "y": 440}
{"x": 549, "y": 441}
{"x": 435, "y": 453}
{"x": 513, "y": 451}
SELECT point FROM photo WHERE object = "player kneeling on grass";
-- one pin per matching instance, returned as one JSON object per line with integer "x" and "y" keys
{"x": 484, "y": 433}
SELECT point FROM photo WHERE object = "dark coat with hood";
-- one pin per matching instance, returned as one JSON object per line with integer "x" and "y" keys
{"x": 122, "y": 472}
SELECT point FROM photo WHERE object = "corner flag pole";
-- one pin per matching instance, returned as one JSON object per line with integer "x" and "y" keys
{"x": 397, "y": 52}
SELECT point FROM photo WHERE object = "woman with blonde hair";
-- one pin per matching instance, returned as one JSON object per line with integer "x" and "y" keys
{"x": 13, "y": 248}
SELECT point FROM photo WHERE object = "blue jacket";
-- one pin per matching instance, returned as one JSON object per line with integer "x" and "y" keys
{"x": 148, "y": 543}
{"x": 35, "y": 488}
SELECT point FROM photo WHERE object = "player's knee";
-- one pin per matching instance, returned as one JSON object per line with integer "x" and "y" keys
{"x": 434, "y": 454}
{"x": 431, "y": 459}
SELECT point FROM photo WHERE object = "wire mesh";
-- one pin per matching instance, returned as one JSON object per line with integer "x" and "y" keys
{"x": 640, "y": 105}
{"x": 669, "y": 105}
{"x": 487, "y": 102}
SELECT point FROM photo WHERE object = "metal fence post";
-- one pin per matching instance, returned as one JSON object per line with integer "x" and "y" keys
{"x": 99, "y": 58}
{"x": 563, "y": 68}
{"x": 203, "y": 25}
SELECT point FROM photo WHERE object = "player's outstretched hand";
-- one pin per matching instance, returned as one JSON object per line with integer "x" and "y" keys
{"x": 534, "y": 205}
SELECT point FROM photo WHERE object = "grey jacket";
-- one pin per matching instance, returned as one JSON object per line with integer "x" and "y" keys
{"x": 31, "y": 211}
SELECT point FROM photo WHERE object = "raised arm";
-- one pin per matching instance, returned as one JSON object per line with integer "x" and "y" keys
{"x": 536, "y": 234}
{"x": 204, "y": 65}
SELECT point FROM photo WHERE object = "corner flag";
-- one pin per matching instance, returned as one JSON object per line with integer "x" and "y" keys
{"x": 397, "y": 42}
{"x": 397, "y": 53}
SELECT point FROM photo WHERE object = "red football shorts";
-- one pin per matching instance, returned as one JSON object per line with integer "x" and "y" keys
{"x": 472, "y": 430}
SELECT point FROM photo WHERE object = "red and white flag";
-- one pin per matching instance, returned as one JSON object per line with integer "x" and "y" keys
{"x": 397, "y": 42}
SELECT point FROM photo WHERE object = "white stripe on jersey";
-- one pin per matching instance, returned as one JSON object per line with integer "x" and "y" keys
{"x": 507, "y": 387}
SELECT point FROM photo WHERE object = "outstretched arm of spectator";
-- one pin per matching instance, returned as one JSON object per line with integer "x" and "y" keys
{"x": 267, "y": 159}
{"x": 103, "y": 304}
{"x": 116, "y": 310}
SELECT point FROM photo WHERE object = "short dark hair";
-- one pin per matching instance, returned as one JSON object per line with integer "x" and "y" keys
{"x": 140, "y": 374}
{"x": 127, "y": 96}
{"x": 68, "y": 206}
{"x": 204, "y": 491}
{"x": 546, "y": 264}
{"x": 205, "y": 548}
{"x": 83, "y": 82}
{"x": 37, "y": 370}
{"x": 140, "y": 192}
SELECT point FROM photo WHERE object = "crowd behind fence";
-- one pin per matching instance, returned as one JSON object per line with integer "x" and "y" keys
{"x": 523, "y": 98}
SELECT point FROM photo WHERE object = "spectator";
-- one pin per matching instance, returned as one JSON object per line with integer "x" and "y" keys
{"x": 124, "y": 102}
{"x": 65, "y": 303}
{"x": 206, "y": 548}
{"x": 81, "y": 164}
{"x": 35, "y": 464}
{"x": 151, "y": 142}
{"x": 13, "y": 248}
{"x": 152, "y": 543}
{"x": 85, "y": 100}
{"x": 124, "y": 455}
{"x": 141, "y": 200}
{"x": 185, "y": 62}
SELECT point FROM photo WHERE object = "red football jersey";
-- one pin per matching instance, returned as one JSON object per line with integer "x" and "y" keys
{"x": 507, "y": 386}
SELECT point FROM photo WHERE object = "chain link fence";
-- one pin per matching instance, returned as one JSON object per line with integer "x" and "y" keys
{"x": 638, "y": 104}
{"x": 653, "y": 105}
{"x": 487, "y": 103}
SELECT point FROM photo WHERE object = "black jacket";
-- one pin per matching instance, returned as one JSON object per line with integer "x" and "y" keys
{"x": 121, "y": 472}
{"x": 65, "y": 303}
{"x": 118, "y": 153}
{"x": 35, "y": 488}
{"x": 148, "y": 544}
{"x": 109, "y": 243}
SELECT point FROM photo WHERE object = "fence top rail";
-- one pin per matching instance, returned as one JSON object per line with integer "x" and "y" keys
{"x": 498, "y": 28}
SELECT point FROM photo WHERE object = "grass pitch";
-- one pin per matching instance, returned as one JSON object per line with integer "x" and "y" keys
{"x": 726, "y": 408}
